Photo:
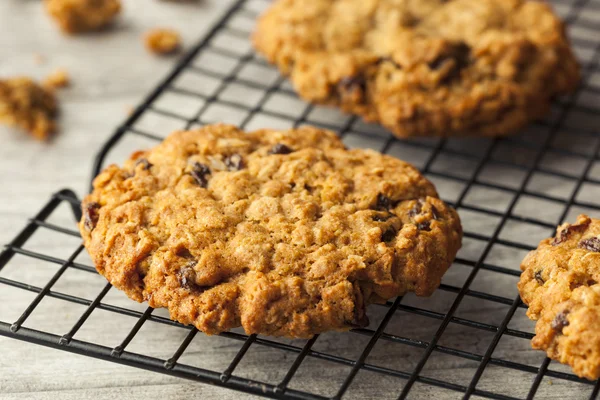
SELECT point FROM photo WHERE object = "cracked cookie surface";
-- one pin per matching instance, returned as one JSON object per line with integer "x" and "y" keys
{"x": 423, "y": 67}
{"x": 284, "y": 233}
{"x": 560, "y": 284}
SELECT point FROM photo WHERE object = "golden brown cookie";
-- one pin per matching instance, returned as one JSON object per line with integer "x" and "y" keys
{"x": 560, "y": 283}
{"x": 423, "y": 67}
{"x": 285, "y": 233}
{"x": 29, "y": 106}
{"x": 75, "y": 16}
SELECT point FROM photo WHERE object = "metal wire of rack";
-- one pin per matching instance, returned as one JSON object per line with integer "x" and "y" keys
{"x": 510, "y": 192}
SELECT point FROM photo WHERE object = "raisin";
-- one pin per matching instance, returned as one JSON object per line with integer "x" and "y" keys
{"x": 359, "y": 319}
{"x": 146, "y": 165}
{"x": 434, "y": 213}
{"x": 560, "y": 321}
{"x": 382, "y": 217}
{"x": 567, "y": 232}
{"x": 591, "y": 244}
{"x": 183, "y": 252}
{"x": 90, "y": 213}
{"x": 459, "y": 53}
{"x": 424, "y": 226}
{"x": 186, "y": 276}
{"x": 353, "y": 87}
{"x": 199, "y": 173}
{"x": 416, "y": 210}
{"x": 388, "y": 235}
{"x": 384, "y": 202}
{"x": 382, "y": 60}
{"x": 538, "y": 277}
{"x": 280, "y": 148}
{"x": 575, "y": 285}
{"x": 234, "y": 162}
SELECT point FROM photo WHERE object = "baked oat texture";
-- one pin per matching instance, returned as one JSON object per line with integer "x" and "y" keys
{"x": 162, "y": 41}
{"x": 285, "y": 233}
{"x": 29, "y": 106}
{"x": 423, "y": 67}
{"x": 560, "y": 284}
{"x": 76, "y": 16}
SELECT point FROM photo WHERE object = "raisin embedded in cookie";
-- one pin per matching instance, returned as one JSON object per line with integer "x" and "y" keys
{"x": 281, "y": 232}
{"x": 560, "y": 283}
{"x": 29, "y": 106}
{"x": 427, "y": 67}
{"x": 75, "y": 16}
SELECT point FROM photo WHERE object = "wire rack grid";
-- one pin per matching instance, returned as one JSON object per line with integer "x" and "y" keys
{"x": 470, "y": 339}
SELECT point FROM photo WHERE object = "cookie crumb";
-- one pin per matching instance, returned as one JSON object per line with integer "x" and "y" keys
{"x": 162, "y": 41}
{"x": 57, "y": 79}
{"x": 76, "y": 16}
{"x": 29, "y": 106}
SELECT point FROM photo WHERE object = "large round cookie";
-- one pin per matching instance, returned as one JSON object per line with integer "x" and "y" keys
{"x": 423, "y": 67}
{"x": 281, "y": 232}
{"x": 560, "y": 283}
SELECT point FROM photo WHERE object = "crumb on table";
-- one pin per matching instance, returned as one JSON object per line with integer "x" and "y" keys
{"x": 29, "y": 106}
{"x": 75, "y": 16}
{"x": 162, "y": 41}
{"x": 57, "y": 79}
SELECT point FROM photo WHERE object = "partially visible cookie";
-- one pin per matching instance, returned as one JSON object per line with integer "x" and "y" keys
{"x": 29, "y": 106}
{"x": 75, "y": 16}
{"x": 281, "y": 232}
{"x": 426, "y": 67}
{"x": 560, "y": 283}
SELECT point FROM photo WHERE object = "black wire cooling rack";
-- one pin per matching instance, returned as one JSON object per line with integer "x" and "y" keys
{"x": 471, "y": 339}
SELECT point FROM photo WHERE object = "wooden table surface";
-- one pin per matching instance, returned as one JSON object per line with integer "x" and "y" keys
{"x": 111, "y": 72}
